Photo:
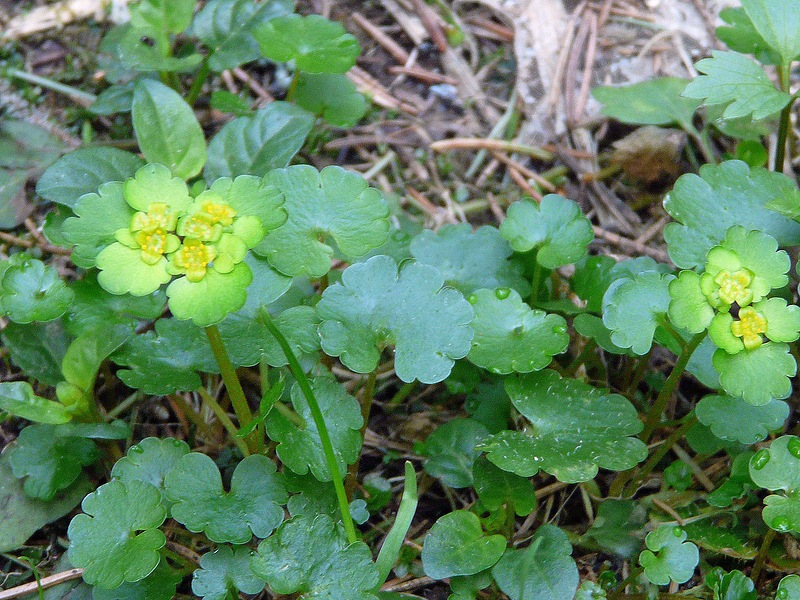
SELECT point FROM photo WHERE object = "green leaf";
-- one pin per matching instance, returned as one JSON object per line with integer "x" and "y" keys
{"x": 736, "y": 420}
{"x": 169, "y": 16}
{"x": 591, "y": 326}
{"x": 310, "y": 497}
{"x": 732, "y": 586}
{"x": 150, "y": 460}
{"x": 118, "y": 539}
{"x": 512, "y": 337}
{"x": 166, "y": 360}
{"x": 167, "y": 130}
{"x": 736, "y": 485}
{"x": 83, "y": 171}
{"x": 733, "y": 79}
{"x": 127, "y": 50}
{"x": 14, "y": 204}
{"x": 618, "y": 527}
{"x": 313, "y": 558}
{"x": 669, "y": 557}
{"x": 451, "y": 451}
{"x": 210, "y": 300}
{"x": 633, "y": 308}
{"x": 161, "y": 584}
{"x": 788, "y": 588}
{"x": 589, "y": 590}
{"x": 113, "y": 100}
{"x": 315, "y": 44}
{"x": 33, "y": 291}
{"x": 722, "y": 196}
{"x": 223, "y": 572}
{"x": 251, "y": 507}
{"x": 575, "y": 428}
{"x": 653, "y": 102}
{"x": 469, "y": 260}
{"x": 226, "y": 28}
{"x": 300, "y": 448}
{"x": 228, "y": 102}
{"x": 47, "y": 461}
{"x": 37, "y": 349}
{"x": 332, "y": 96}
{"x": 542, "y": 571}
{"x": 19, "y": 399}
{"x": 260, "y": 143}
{"x": 556, "y": 228}
{"x": 497, "y": 489}
{"x": 741, "y": 36}
{"x": 593, "y": 275}
{"x": 332, "y": 204}
{"x": 456, "y": 546}
{"x": 777, "y": 468}
{"x": 777, "y": 22}
{"x": 375, "y": 306}
{"x": 24, "y": 516}
{"x": 757, "y": 376}
{"x": 689, "y": 308}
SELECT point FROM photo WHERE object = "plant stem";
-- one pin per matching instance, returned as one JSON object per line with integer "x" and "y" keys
{"x": 669, "y": 386}
{"x": 405, "y": 514}
{"x": 199, "y": 80}
{"x": 367, "y": 394}
{"x": 79, "y": 96}
{"x": 224, "y": 419}
{"x": 783, "y": 136}
{"x": 319, "y": 421}
{"x": 761, "y": 557}
{"x": 618, "y": 592}
{"x": 535, "y": 281}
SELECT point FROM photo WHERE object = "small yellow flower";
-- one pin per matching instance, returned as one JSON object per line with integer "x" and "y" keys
{"x": 220, "y": 212}
{"x": 734, "y": 287}
{"x": 749, "y": 327}
{"x": 200, "y": 226}
{"x": 158, "y": 216}
{"x": 193, "y": 258}
{"x": 155, "y": 244}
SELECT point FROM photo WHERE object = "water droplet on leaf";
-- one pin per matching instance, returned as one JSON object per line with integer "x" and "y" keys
{"x": 472, "y": 298}
{"x": 782, "y": 593}
{"x": 781, "y": 524}
{"x": 794, "y": 447}
{"x": 760, "y": 459}
{"x": 502, "y": 293}
{"x": 677, "y": 532}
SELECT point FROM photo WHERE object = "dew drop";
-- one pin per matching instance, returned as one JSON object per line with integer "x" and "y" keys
{"x": 502, "y": 293}
{"x": 472, "y": 298}
{"x": 677, "y": 532}
{"x": 794, "y": 447}
{"x": 760, "y": 459}
{"x": 781, "y": 524}
{"x": 782, "y": 594}
{"x": 559, "y": 329}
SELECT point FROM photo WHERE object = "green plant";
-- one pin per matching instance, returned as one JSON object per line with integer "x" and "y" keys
{"x": 314, "y": 301}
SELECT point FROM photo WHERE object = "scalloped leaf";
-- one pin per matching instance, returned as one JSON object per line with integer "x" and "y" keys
{"x": 575, "y": 429}
{"x": 225, "y": 571}
{"x": 37, "y": 349}
{"x": 161, "y": 584}
{"x": 251, "y": 507}
{"x": 330, "y": 204}
{"x": 117, "y": 539}
{"x": 721, "y": 196}
{"x": 375, "y": 306}
{"x": 777, "y": 468}
{"x": 499, "y": 489}
{"x": 33, "y": 291}
{"x": 456, "y": 546}
{"x": 314, "y": 558}
{"x": 300, "y": 447}
{"x": 512, "y": 337}
{"x": 654, "y": 102}
{"x": 758, "y": 376}
{"x": 556, "y": 228}
{"x": 470, "y": 260}
{"x": 735, "y": 420}
{"x": 150, "y": 460}
{"x": 669, "y": 557}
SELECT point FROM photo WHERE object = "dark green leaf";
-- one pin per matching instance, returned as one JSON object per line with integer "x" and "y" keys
{"x": 37, "y": 349}
{"x": 150, "y": 460}
{"x": 161, "y": 584}
{"x": 736, "y": 485}
{"x": 653, "y": 102}
{"x": 497, "y": 489}
{"x": 225, "y": 101}
{"x": 113, "y": 100}
{"x": 734, "y": 419}
{"x": 451, "y": 451}
{"x": 224, "y": 572}
{"x": 456, "y": 545}
{"x": 618, "y": 527}
{"x": 332, "y": 96}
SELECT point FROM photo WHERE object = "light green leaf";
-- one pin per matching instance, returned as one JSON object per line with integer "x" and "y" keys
{"x": 257, "y": 144}
{"x": 556, "y": 228}
{"x": 777, "y": 22}
{"x": 150, "y": 460}
{"x": 512, "y": 337}
{"x": 33, "y": 291}
{"x": 741, "y": 36}
{"x": 736, "y": 420}
{"x": 721, "y": 196}
{"x": 167, "y": 130}
{"x": 251, "y": 507}
{"x": 169, "y": 16}
{"x": 689, "y": 308}
{"x": 210, "y": 300}
{"x": 456, "y": 546}
{"x": 315, "y": 44}
{"x": 574, "y": 429}
{"x": 731, "y": 586}
{"x": 118, "y": 539}
{"x": 632, "y": 309}
{"x": 375, "y": 306}
{"x": 332, "y": 204}
{"x": 669, "y": 557}
{"x": 225, "y": 571}
{"x": 788, "y": 588}
{"x": 469, "y": 260}
{"x": 332, "y": 96}
{"x": 313, "y": 558}
{"x": 300, "y": 448}
{"x": 542, "y": 571}
{"x": 733, "y": 79}
{"x": 777, "y": 468}
{"x": 757, "y": 376}
{"x": 451, "y": 451}
{"x": 83, "y": 171}
{"x": 653, "y": 102}
{"x": 19, "y": 399}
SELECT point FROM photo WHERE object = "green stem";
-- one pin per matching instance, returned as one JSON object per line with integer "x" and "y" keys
{"x": 224, "y": 419}
{"x": 367, "y": 395}
{"x": 669, "y": 386}
{"x": 537, "y": 275}
{"x": 761, "y": 557}
{"x": 620, "y": 589}
{"x": 79, "y": 96}
{"x": 319, "y": 421}
{"x": 199, "y": 80}
{"x": 785, "y": 120}
{"x": 394, "y": 539}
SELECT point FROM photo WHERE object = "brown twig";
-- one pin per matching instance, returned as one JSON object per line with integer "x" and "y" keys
{"x": 523, "y": 184}
{"x": 630, "y": 245}
{"x": 44, "y": 583}
{"x": 23, "y": 243}
{"x": 383, "y": 40}
{"x": 423, "y": 75}
{"x": 254, "y": 86}
{"x": 487, "y": 144}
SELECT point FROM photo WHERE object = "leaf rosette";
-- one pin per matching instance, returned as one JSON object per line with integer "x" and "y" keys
{"x": 158, "y": 234}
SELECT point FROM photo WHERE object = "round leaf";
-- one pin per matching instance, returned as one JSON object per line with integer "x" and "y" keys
{"x": 332, "y": 96}
{"x": 214, "y": 297}
{"x": 734, "y": 419}
{"x": 455, "y": 545}
{"x": 150, "y": 460}
{"x": 669, "y": 557}
{"x": 225, "y": 571}
{"x": 33, "y": 291}
{"x": 757, "y": 376}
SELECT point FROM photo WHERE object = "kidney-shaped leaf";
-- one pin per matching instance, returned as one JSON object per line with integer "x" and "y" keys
{"x": 375, "y": 305}
{"x": 33, "y": 291}
{"x": 777, "y": 468}
{"x": 575, "y": 428}
{"x": 669, "y": 557}
{"x": 542, "y": 571}
{"x": 118, "y": 539}
{"x": 332, "y": 96}
{"x": 150, "y": 460}
{"x": 224, "y": 572}
{"x": 332, "y": 202}
{"x": 721, "y": 196}
{"x": 556, "y": 227}
{"x": 314, "y": 558}
{"x": 510, "y": 336}
{"x": 456, "y": 546}
{"x": 757, "y": 376}
{"x": 251, "y": 507}
{"x": 734, "y": 419}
